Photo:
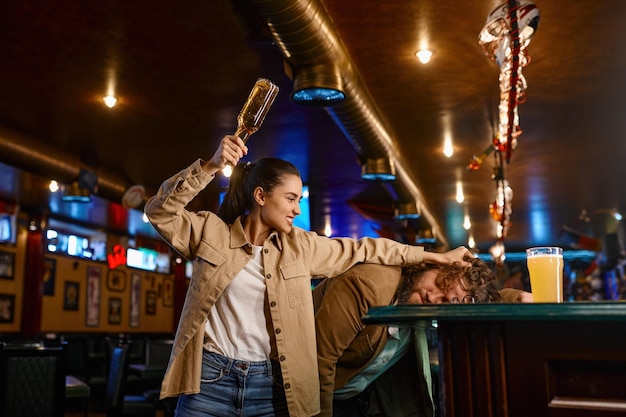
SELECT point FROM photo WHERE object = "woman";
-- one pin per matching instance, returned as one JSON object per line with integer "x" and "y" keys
{"x": 245, "y": 342}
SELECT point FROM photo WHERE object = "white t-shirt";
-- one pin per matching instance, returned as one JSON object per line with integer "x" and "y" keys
{"x": 236, "y": 326}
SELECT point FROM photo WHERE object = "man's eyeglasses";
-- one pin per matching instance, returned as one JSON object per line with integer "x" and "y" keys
{"x": 468, "y": 299}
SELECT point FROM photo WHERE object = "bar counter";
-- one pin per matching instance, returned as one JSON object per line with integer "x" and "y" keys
{"x": 522, "y": 360}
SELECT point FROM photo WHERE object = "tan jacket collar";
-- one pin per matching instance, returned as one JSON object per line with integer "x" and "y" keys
{"x": 239, "y": 239}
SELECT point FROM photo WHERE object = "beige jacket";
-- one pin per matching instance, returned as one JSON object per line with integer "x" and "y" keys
{"x": 219, "y": 251}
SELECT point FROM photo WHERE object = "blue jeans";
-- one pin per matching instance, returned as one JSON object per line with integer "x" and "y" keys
{"x": 233, "y": 388}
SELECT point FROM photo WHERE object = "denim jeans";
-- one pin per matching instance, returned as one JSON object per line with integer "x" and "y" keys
{"x": 233, "y": 388}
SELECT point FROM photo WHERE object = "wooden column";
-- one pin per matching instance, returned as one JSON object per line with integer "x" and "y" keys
{"x": 472, "y": 370}
{"x": 33, "y": 279}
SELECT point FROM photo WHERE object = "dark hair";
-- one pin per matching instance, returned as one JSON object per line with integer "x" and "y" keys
{"x": 266, "y": 173}
{"x": 477, "y": 279}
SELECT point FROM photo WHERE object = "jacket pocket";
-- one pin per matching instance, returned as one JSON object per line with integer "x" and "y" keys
{"x": 207, "y": 262}
{"x": 298, "y": 283}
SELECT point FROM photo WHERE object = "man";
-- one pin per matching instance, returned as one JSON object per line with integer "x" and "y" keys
{"x": 381, "y": 371}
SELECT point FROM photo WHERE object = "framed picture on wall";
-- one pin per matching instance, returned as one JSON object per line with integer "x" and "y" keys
{"x": 151, "y": 302}
{"x": 92, "y": 315}
{"x": 168, "y": 292}
{"x": 7, "y": 265}
{"x": 70, "y": 296}
{"x": 49, "y": 276}
{"x": 135, "y": 299}
{"x": 115, "y": 310}
{"x": 116, "y": 280}
{"x": 7, "y": 308}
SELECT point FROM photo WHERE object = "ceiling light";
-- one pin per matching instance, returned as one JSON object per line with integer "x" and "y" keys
{"x": 54, "y": 186}
{"x": 109, "y": 101}
{"x": 448, "y": 149}
{"x": 405, "y": 211}
{"x": 467, "y": 224}
{"x": 460, "y": 197}
{"x": 378, "y": 169}
{"x": 328, "y": 231}
{"x": 318, "y": 86}
{"x": 424, "y": 55}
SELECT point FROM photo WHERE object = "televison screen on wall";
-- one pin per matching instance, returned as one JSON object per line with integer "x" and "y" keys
{"x": 7, "y": 228}
{"x": 148, "y": 259}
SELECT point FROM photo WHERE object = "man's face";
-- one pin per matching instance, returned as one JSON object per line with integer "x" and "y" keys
{"x": 425, "y": 291}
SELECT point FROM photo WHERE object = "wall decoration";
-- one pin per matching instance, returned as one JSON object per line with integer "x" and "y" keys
{"x": 70, "y": 296}
{"x": 168, "y": 291}
{"x": 151, "y": 302}
{"x": 49, "y": 276}
{"x": 504, "y": 38}
{"x": 7, "y": 308}
{"x": 135, "y": 299}
{"x": 152, "y": 281}
{"x": 115, "y": 310}
{"x": 7, "y": 264}
{"x": 92, "y": 318}
{"x": 116, "y": 280}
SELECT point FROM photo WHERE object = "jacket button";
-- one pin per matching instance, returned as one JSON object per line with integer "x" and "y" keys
{"x": 273, "y": 304}
{"x": 265, "y": 250}
{"x": 282, "y": 358}
{"x": 278, "y": 331}
{"x": 268, "y": 276}
{"x": 287, "y": 385}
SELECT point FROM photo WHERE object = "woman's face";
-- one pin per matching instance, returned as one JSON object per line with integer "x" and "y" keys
{"x": 281, "y": 206}
{"x": 426, "y": 291}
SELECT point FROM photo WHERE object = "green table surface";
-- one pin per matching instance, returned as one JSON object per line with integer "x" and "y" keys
{"x": 569, "y": 311}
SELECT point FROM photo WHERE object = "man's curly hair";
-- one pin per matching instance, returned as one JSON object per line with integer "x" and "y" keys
{"x": 477, "y": 279}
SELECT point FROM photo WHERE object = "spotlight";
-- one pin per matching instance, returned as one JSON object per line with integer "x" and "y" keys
{"x": 378, "y": 169}
{"x": 405, "y": 211}
{"x": 74, "y": 193}
{"x": 318, "y": 86}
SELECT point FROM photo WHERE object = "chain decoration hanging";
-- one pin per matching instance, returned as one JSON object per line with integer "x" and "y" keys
{"x": 504, "y": 38}
{"x": 500, "y": 208}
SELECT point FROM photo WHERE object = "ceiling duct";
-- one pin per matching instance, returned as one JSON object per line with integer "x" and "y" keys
{"x": 29, "y": 155}
{"x": 307, "y": 38}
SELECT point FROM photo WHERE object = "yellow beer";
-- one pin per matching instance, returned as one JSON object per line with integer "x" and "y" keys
{"x": 545, "y": 267}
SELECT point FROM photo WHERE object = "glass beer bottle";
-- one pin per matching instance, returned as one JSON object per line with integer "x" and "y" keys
{"x": 255, "y": 108}
{"x": 254, "y": 111}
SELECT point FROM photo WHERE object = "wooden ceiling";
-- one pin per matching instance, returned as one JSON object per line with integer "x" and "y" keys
{"x": 182, "y": 72}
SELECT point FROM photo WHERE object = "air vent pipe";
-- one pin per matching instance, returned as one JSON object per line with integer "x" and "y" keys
{"x": 29, "y": 155}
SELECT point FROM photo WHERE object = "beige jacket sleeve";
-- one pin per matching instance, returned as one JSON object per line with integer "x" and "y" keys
{"x": 510, "y": 295}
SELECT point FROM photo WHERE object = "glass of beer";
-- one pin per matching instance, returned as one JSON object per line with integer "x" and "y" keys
{"x": 545, "y": 267}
